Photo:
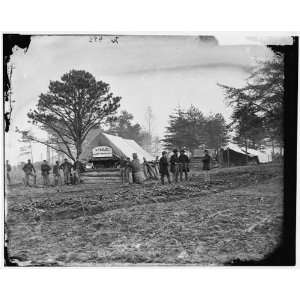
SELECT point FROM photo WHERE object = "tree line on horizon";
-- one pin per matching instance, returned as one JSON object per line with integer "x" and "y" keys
{"x": 190, "y": 128}
{"x": 78, "y": 103}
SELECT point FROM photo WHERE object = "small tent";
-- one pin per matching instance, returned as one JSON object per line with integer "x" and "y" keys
{"x": 232, "y": 155}
{"x": 106, "y": 149}
{"x": 263, "y": 156}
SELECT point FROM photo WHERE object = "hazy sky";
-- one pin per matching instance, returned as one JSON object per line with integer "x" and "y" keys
{"x": 158, "y": 71}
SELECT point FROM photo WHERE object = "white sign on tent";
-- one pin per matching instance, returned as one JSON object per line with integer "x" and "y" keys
{"x": 102, "y": 151}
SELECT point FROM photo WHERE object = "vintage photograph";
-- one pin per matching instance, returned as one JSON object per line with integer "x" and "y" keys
{"x": 145, "y": 150}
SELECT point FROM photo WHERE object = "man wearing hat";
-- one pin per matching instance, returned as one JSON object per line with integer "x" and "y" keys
{"x": 45, "y": 170}
{"x": 174, "y": 162}
{"x": 29, "y": 170}
{"x": 66, "y": 166}
{"x": 163, "y": 168}
{"x": 183, "y": 165}
{"x": 206, "y": 166}
{"x": 137, "y": 174}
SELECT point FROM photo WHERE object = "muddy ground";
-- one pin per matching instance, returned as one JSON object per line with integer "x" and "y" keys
{"x": 237, "y": 216}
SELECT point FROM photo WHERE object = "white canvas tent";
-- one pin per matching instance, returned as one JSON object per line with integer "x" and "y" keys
{"x": 129, "y": 146}
{"x": 263, "y": 156}
{"x": 121, "y": 147}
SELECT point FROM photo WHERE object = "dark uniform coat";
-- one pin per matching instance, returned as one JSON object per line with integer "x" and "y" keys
{"x": 174, "y": 160}
{"x": 184, "y": 162}
{"x": 28, "y": 168}
{"x": 45, "y": 168}
{"x": 56, "y": 170}
{"x": 66, "y": 167}
{"x": 206, "y": 162}
{"x": 163, "y": 165}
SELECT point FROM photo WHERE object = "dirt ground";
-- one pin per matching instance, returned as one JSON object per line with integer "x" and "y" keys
{"x": 237, "y": 216}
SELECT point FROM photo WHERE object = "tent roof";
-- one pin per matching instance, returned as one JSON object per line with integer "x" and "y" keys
{"x": 234, "y": 147}
{"x": 263, "y": 156}
{"x": 140, "y": 150}
{"x": 121, "y": 147}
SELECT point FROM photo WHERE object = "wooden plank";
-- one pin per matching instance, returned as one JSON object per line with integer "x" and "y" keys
{"x": 102, "y": 183}
{"x": 101, "y": 170}
{"x": 100, "y": 180}
{"x": 101, "y": 175}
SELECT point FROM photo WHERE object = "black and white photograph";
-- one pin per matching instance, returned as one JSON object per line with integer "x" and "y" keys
{"x": 149, "y": 149}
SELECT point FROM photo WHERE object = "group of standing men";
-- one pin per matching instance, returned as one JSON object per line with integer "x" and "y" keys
{"x": 71, "y": 172}
{"x": 131, "y": 171}
{"x": 179, "y": 165}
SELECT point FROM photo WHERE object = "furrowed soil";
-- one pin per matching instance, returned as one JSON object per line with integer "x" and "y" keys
{"x": 237, "y": 216}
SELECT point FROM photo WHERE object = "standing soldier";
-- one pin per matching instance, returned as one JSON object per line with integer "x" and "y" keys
{"x": 137, "y": 174}
{"x": 77, "y": 169}
{"x": 163, "y": 168}
{"x": 8, "y": 170}
{"x": 174, "y": 161}
{"x": 56, "y": 174}
{"x": 206, "y": 166}
{"x": 29, "y": 170}
{"x": 183, "y": 165}
{"x": 45, "y": 170}
{"x": 66, "y": 166}
{"x": 128, "y": 171}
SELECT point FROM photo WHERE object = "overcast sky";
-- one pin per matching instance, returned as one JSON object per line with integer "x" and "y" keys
{"x": 158, "y": 71}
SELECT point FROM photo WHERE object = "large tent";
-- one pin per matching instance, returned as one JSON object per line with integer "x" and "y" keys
{"x": 121, "y": 148}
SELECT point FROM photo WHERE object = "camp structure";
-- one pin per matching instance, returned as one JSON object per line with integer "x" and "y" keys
{"x": 198, "y": 155}
{"x": 232, "y": 155}
{"x": 105, "y": 150}
{"x": 263, "y": 156}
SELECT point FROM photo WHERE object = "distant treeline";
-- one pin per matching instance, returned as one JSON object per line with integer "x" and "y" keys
{"x": 190, "y": 128}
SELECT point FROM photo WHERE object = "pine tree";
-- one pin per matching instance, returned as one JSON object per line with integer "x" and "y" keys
{"x": 70, "y": 109}
{"x": 191, "y": 129}
{"x": 262, "y": 99}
